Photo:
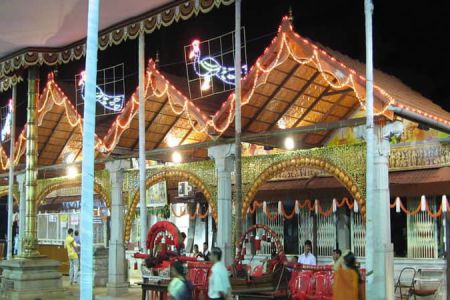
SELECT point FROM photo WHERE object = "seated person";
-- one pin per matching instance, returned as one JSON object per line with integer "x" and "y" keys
{"x": 307, "y": 258}
{"x": 337, "y": 253}
{"x": 196, "y": 252}
{"x": 293, "y": 262}
{"x": 273, "y": 261}
{"x": 182, "y": 246}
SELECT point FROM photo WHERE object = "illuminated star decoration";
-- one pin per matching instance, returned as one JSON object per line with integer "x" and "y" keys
{"x": 6, "y": 129}
{"x": 114, "y": 103}
{"x": 208, "y": 67}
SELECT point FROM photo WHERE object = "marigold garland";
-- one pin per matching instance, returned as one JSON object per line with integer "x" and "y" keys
{"x": 311, "y": 206}
{"x": 437, "y": 214}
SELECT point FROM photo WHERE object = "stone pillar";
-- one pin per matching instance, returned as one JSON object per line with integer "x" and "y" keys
{"x": 31, "y": 275}
{"x": 223, "y": 156}
{"x": 22, "y": 204}
{"x": 117, "y": 283}
{"x": 30, "y": 238}
{"x": 383, "y": 254}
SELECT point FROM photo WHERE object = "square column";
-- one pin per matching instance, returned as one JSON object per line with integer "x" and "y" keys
{"x": 117, "y": 283}
{"x": 380, "y": 235}
{"x": 223, "y": 156}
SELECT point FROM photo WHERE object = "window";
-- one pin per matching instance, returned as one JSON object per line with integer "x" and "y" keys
{"x": 52, "y": 228}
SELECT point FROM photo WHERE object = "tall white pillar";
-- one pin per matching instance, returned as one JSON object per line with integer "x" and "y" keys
{"x": 117, "y": 283}
{"x": 223, "y": 156}
{"x": 22, "y": 205}
{"x": 383, "y": 254}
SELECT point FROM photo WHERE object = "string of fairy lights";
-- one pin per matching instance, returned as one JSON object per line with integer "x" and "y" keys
{"x": 287, "y": 44}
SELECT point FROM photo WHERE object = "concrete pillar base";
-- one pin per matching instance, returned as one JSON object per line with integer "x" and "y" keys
{"x": 29, "y": 279}
{"x": 117, "y": 289}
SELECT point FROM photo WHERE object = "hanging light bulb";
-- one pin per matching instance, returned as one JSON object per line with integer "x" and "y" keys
{"x": 176, "y": 157}
{"x": 72, "y": 171}
{"x": 289, "y": 143}
{"x": 171, "y": 140}
{"x": 69, "y": 157}
{"x": 206, "y": 84}
{"x": 281, "y": 123}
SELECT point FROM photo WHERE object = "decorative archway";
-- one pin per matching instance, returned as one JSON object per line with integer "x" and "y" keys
{"x": 98, "y": 188}
{"x": 4, "y": 192}
{"x": 310, "y": 162}
{"x": 165, "y": 175}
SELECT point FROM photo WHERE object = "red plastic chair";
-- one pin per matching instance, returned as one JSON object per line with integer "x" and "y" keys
{"x": 201, "y": 284}
{"x": 301, "y": 286}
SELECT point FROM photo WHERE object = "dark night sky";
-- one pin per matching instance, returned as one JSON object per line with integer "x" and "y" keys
{"x": 410, "y": 40}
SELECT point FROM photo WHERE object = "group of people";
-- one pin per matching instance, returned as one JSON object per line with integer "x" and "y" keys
{"x": 346, "y": 285}
{"x": 73, "y": 246}
{"x": 204, "y": 255}
{"x": 180, "y": 288}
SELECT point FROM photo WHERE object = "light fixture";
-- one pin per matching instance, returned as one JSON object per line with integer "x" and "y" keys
{"x": 289, "y": 143}
{"x": 69, "y": 157}
{"x": 111, "y": 102}
{"x": 72, "y": 171}
{"x": 171, "y": 140}
{"x": 281, "y": 123}
{"x": 176, "y": 157}
{"x": 208, "y": 66}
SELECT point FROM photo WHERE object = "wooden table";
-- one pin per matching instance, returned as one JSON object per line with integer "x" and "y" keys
{"x": 160, "y": 287}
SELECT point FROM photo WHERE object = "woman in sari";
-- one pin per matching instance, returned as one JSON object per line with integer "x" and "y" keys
{"x": 346, "y": 278}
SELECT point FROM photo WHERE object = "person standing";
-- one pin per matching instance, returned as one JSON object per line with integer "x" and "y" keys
{"x": 346, "y": 279}
{"x": 78, "y": 242}
{"x": 179, "y": 287}
{"x": 205, "y": 253}
{"x": 219, "y": 282}
{"x": 78, "y": 247}
{"x": 71, "y": 246}
{"x": 307, "y": 258}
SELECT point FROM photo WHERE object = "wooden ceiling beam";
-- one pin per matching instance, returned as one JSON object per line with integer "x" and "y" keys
{"x": 170, "y": 127}
{"x": 309, "y": 108}
{"x": 346, "y": 116}
{"x": 151, "y": 122}
{"x": 295, "y": 98}
{"x": 338, "y": 92}
{"x": 186, "y": 136}
{"x": 65, "y": 144}
{"x": 269, "y": 99}
{"x": 61, "y": 116}
{"x": 254, "y": 138}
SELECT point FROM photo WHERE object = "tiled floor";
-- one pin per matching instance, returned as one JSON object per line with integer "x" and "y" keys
{"x": 73, "y": 292}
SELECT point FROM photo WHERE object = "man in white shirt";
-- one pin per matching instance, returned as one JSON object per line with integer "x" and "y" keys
{"x": 307, "y": 258}
{"x": 219, "y": 282}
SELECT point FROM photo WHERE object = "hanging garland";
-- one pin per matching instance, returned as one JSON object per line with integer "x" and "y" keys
{"x": 422, "y": 207}
{"x": 184, "y": 211}
{"x": 318, "y": 209}
{"x": 306, "y": 204}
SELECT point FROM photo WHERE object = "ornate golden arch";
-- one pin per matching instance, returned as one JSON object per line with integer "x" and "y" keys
{"x": 310, "y": 162}
{"x": 165, "y": 175}
{"x": 5, "y": 193}
{"x": 98, "y": 188}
